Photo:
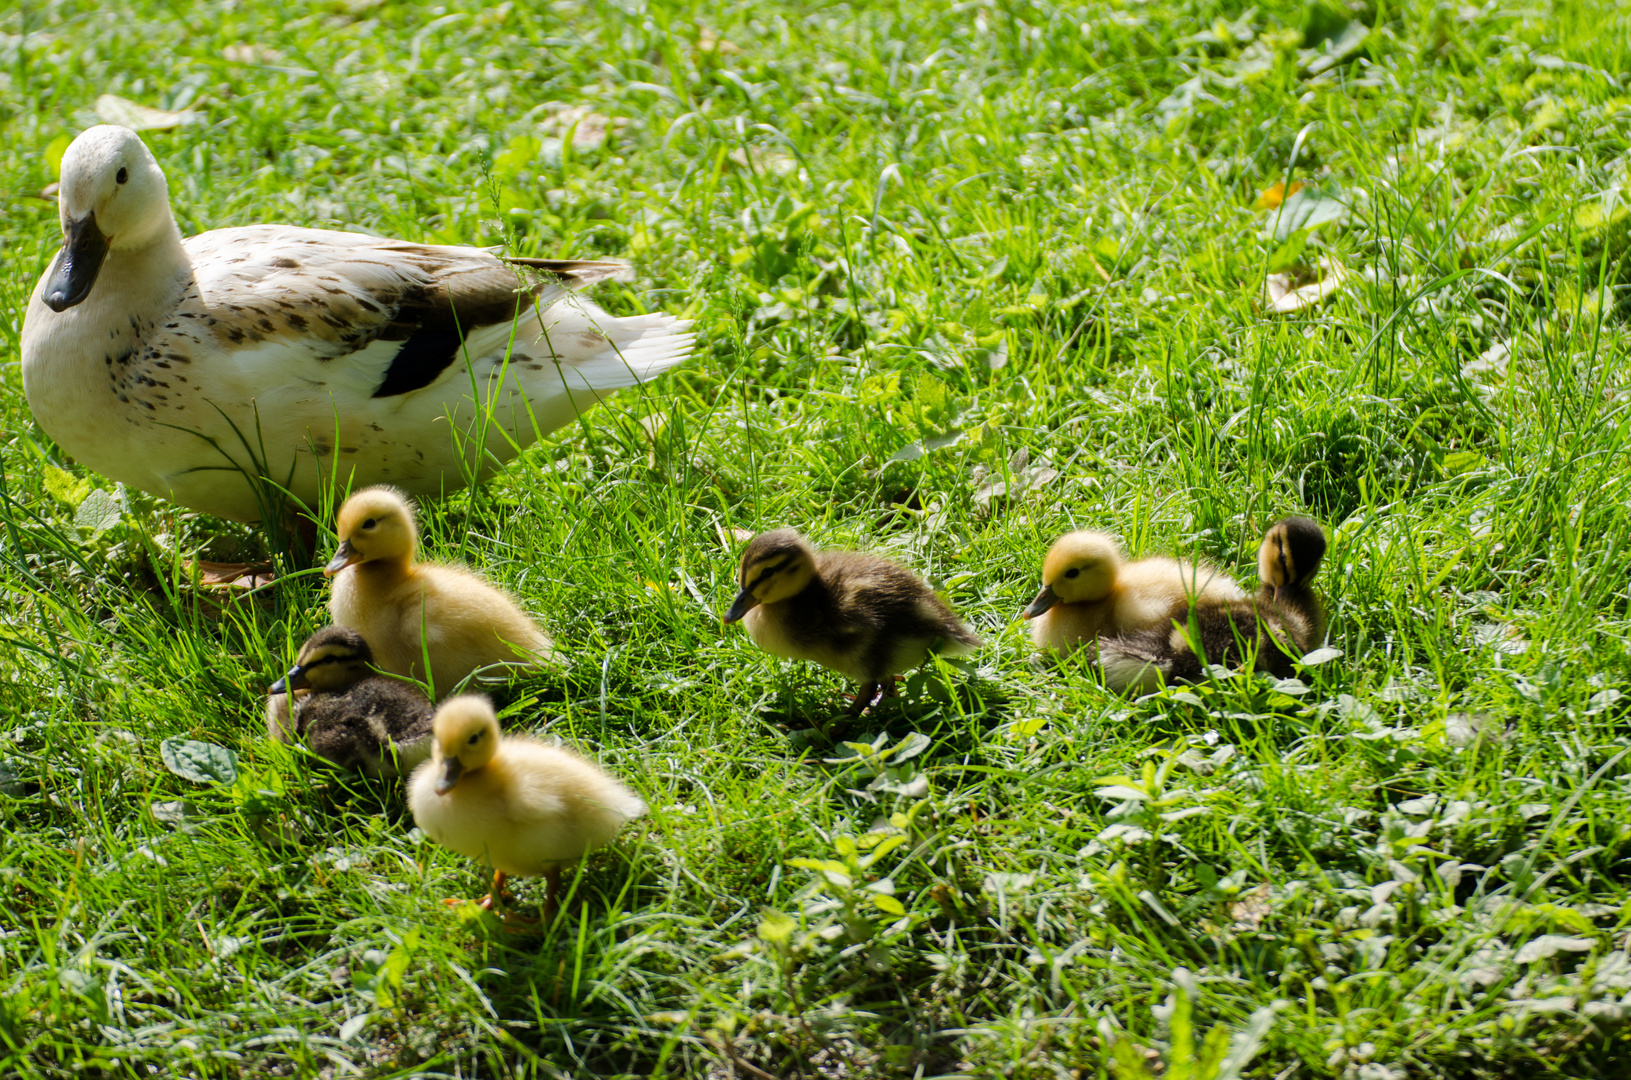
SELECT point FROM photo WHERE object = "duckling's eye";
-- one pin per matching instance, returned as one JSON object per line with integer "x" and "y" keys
{"x": 122, "y": 175}
{"x": 370, "y": 523}
{"x": 473, "y": 739}
{"x": 1074, "y": 571}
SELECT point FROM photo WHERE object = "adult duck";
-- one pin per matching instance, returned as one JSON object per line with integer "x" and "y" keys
{"x": 199, "y": 369}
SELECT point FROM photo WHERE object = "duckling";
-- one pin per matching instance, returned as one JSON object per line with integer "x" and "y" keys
{"x": 381, "y": 592}
{"x": 1089, "y": 592}
{"x": 347, "y": 712}
{"x": 519, "y": 805}
{"x": 1272, "y": 629}
{"x": 860, "y": 615}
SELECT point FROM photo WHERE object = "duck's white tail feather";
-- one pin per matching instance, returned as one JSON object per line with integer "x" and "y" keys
{"x": 602, "y": 352}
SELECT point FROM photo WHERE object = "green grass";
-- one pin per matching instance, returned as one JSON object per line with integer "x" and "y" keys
{"x": 1024, "y": 239}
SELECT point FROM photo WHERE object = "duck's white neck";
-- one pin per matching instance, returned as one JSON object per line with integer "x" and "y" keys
{"x": 72, "y": 360}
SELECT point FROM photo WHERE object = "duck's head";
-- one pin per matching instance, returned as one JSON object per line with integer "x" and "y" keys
{"x": 1080, "y": 568}
{"x": 376, "y": 524}
{"x": 112, "y": 197}
{"x": 775, "y": 565}
{"x": 464, "y": 738}
{"x": 333, "y": 659}
{"x": 1290, "y": 554}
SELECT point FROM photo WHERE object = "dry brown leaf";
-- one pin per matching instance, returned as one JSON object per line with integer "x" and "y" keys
{"x": 709, "y": 41}
{"x": 1251, "y": 909}
{"x": 589, "y": 129}
{"x": 249, "y": 53}
{"x": 1288, "y": 293}
{"x": 771, "y": 161}
{"x": 112, "y": 109}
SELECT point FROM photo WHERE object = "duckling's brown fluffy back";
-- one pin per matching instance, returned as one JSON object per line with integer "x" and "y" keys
{"x": 381, "y": 726}
{"x": 1273, "y": 629}
{"x": 862, "y": 616}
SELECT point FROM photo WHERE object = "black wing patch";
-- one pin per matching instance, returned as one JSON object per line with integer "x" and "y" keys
{"x": 423, "y": 357}
{"x": 432, "y": 326}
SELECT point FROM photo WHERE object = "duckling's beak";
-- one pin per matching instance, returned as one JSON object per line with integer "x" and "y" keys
{"x": 294, "y": 680}
{"x": 84, "y": 246}
{"x": 451, "y": 769}
{"x": 1044, "y": 600}
{"x": 744, "y": 603}
{"x": 346, "y": 556}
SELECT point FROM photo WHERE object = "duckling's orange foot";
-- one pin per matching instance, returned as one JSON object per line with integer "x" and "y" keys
{"x": 516, "y": 923}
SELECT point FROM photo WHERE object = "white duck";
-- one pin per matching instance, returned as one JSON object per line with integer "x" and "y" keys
{"x": 186, "y": 367}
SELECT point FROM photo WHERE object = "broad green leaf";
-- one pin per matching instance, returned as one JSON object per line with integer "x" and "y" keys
{"x": 777, "y": 926}
{"x": 200, "y": 762}
{"x": 54, "y": 151}
{"x": 1320, "y": 656}
{"x": 885, "y": 846}
{"x": 1121, "y": 791}
{"x": 909, "y": 747}
{"x": 914, "y": 450}
{"x": 1309, "y": 209}
{"x": 888, "y": 904}
{"x": 98, "y": 513}
{"x": 65, "y": 487}
{"x": 1461, "y": 461}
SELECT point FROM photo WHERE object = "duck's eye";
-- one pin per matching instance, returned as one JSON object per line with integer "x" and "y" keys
{"x": 1074, "y": 571}
{"x": 122, "y": 175}
{"x": 473, "y": 739}
{"x": 370, "y": 523}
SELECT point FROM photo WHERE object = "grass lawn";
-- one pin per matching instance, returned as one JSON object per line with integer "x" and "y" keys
{"x": 965, "y": 277}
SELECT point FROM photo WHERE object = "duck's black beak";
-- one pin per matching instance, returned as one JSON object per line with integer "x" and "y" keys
{"x": 451, "y": 770}
{"x": 1044, "y": 600}
{"x": 294, "y": 680}
{"x": 744, "y": 603}
{"x": 83, "y": 248}
{"x": 346, "y": 556}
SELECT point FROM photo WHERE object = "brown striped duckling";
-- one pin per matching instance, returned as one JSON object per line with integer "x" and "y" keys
{"x": 384, "y": 594}
{"x": 860, "y": 615}
{"x": 1269, "y": 631}
{"x": 346, "y": 711}
{"x": 518, "y": 805}
{"x": 1089, "y": 592}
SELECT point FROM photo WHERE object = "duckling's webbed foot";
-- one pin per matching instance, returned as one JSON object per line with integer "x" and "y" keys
{"x": 498, "y": 896}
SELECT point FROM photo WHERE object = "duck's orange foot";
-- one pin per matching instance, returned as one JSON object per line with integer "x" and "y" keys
{"x": 235, "y": 575}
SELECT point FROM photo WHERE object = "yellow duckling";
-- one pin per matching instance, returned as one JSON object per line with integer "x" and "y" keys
{"x": 519, "y": 805}
{"x": 346, "y": 711}
{"x": 1269, "y": 631}
{"x": 1089, "y": 592}
{"x": 860, "y": 615}
{"x": 387, "y": 597}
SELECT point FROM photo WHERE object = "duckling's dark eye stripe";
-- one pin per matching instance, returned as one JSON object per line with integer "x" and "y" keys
{"x": 769, "y": 572}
